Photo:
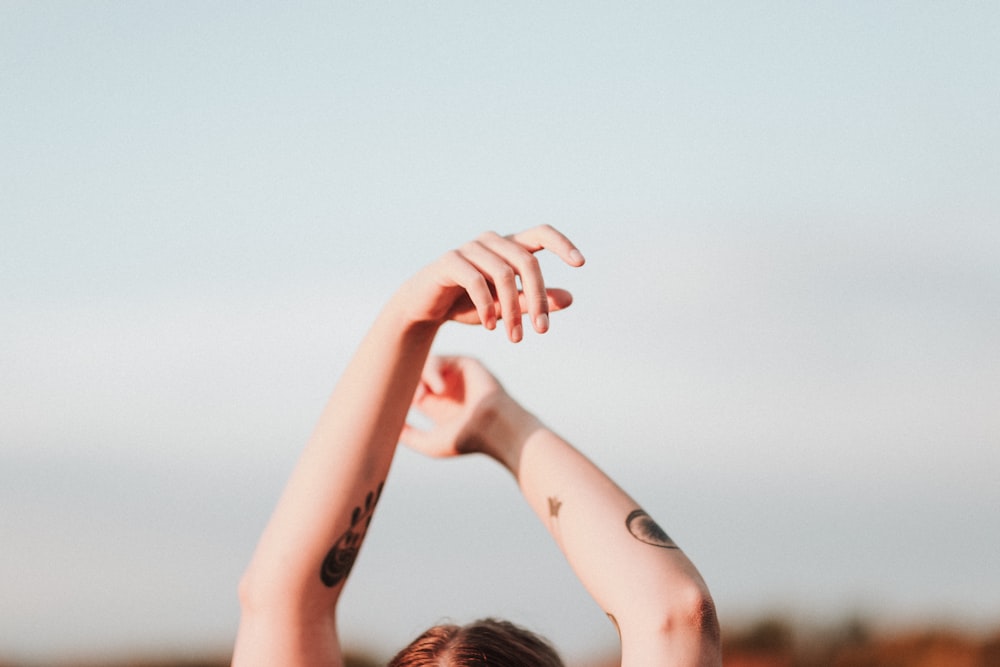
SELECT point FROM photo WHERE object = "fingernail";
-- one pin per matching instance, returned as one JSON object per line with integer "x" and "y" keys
{"x": 542, "y": 322}
{"x": 576, "y": 256}
{"x": 516, "y": 333}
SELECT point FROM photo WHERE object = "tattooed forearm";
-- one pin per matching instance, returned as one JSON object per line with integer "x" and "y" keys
{"x": 340, "y": 559}
{"x": 644, "y": 529}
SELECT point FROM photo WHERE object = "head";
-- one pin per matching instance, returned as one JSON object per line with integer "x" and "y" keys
{"x": 485, "y": 643}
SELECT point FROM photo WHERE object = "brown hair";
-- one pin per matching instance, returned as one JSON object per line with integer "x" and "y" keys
{"x": 484, "y": 643}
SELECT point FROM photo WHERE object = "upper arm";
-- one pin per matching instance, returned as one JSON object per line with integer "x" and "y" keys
{"x": 289, "y": 592}
{"x": 268, "y": 638}
{"x": 659, "y": 652}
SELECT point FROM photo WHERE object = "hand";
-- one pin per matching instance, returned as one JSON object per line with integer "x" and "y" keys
{"x": 477, "y": 283}
{"x": 470, "y": 411}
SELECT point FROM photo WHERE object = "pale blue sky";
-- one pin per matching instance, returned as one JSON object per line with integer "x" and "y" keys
{"x": 784, "y": 342}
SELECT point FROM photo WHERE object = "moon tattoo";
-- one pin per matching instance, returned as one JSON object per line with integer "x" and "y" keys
{"x": 644, "y": 529}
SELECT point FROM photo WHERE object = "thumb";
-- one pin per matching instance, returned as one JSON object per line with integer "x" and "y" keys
{"x": 412, "y": 437}
{"x": 432, "y": 377}
{"x": 557, "y": 299}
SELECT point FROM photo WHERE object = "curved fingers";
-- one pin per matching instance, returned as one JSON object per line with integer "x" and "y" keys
{"x": 482, "y": 277}
{"x": 424, "y": 442}
{"x": 465, "y": 275}
{"x": 526, "y": 266}
{"x": 519, "y": 249}
{"x": 503, "y": 277}
{"x": 435, "y": 399}
{"x": 551, "y": 239}
{"x": 432, "y": 376}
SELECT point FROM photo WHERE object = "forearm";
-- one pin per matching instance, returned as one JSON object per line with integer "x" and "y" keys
{"x": 289, "y": 592}
{"x": 628, "y": 564}
{"x": 310, "y": 542}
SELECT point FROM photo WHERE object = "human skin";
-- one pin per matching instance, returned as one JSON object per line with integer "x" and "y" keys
{"x": 631, "y": 567}
{"x": 290, "y": 591}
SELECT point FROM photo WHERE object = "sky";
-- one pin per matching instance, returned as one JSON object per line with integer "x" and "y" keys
{"x": 783, "y": 344}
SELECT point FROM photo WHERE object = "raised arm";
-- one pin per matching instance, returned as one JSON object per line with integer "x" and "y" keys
{"x": 643, "y": 581}
{"x": 290, "y": 590}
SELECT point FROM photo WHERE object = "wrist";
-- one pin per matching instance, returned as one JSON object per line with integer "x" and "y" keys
{"x": 414, "y": 304}
{"x": 506, "y": 428}
{"x": 397, "y": 317}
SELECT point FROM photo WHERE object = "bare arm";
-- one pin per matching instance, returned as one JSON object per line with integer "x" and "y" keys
{"x": 290, "y": 591}
{"x": 646, "y": 585}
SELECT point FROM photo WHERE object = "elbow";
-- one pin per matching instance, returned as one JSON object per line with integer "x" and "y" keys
{"x": 263, "y": 592}
{"x": 679, "y": 627}
{"x": 690, "y": 613}
{"x": 706, "y": 619}
{"x": 248, "y": 594}
{"x": 257, "y": 594}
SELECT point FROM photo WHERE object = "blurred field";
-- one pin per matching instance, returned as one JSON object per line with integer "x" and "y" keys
{"x": 777, "y": 643}
{"x": 769, "y": 642}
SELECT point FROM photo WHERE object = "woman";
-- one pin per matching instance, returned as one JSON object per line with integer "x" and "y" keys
{"x": 289, "y": 593}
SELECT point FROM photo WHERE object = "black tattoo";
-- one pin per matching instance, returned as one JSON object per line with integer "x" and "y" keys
{"x": 340, "y": 559}
{"x": 554, "y": 505}
{"x": 644, "y": 529}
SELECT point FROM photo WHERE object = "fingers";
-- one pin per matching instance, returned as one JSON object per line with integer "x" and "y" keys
{"x": 558, "y": 299}
{"x": 466, "y": 276}
{"x": 551, "y": 239}
{"x": 432, "y": 377}
{"x": 433, "y": 400}
{"x": 517, "y": 255}
{"x": 496, "y": 267}
{"x": 501, "y": 279}
{"x": 418, "y": 440}
{"x": 432, "y": 380}
{"x": 525, "y": 265}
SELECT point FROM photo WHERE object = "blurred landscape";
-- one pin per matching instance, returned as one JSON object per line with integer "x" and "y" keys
{"x": 767, "y": 642}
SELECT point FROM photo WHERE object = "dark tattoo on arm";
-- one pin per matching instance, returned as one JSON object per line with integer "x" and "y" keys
{"x": 644, "y": 529}
{"x": 340, "y": 559}
{"x": 554, "y": 505}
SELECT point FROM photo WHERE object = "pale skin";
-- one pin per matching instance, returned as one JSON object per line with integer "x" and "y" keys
{"x": 289, "y": 592}
{"x": 649, "y": 588}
